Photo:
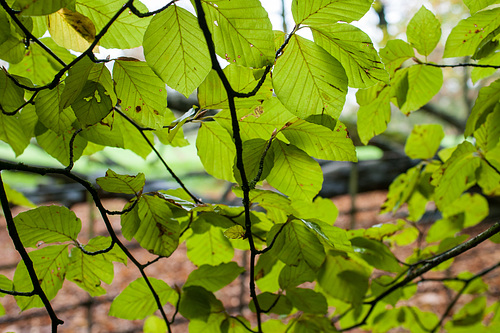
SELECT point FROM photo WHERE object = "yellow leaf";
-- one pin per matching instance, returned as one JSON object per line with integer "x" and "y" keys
{"x": 71, "y": 30}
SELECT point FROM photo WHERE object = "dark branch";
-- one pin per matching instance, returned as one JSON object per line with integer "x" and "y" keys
{"x": 4, "y": 165}
{"x": 459, "y": 65}
{"x": 18, "y": 293}
{"x": 37, "y": 289}
{"x": 138, "y": 13}
{"x": 272, "y": 242}
{"x": 90, "y": 253}
{"x": 427, "y": 265}
{"x": 71, "y": 150}
{"x": 12, "y": 113}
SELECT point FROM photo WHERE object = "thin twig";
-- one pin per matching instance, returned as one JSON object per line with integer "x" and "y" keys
{"x": 137, "y": 13}
{"x": 172, "y": 173}
{"x": 13, "y": 113}
{"x": 71, "y": 150}
{"x": 274, "y": 240}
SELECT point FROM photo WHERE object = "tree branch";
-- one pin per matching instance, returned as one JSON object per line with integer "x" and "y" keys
{"x": 37, "y": 289}
{"x": 427, "y": 265}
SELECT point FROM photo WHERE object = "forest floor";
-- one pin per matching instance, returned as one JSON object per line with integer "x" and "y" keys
{"x": 83, "y": 315}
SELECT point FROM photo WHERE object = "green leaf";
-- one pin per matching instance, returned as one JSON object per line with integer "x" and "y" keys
{"x": 376, "y": 254}
{"x": 330, "y": 236}
{"x": 276, "y": 205}
{"x": 77, "y": 78}
{"x": 36, "y": 65}
{"x": 488, "y": 135}
{"x": 5, "y": 31}
{"x": 476, "y": 5}
{"x": 476, "y": 285}
{"x": 176, "y": 50}
{"x": 324, "y": 78}
{"x": 210, "y": 247}
{"x": 373, "y": 117}
{"x": 458, "y": 174}
{"x": 50, "y": 264}
{"x": 325, "y": 12}
{"x": 379, "y": 286}
{"x": 424, "y": 141}
{"x": 216, "y": 150}
{"x": 11, "y": 132}
{"x": 479, "y": 73}
{"x": 212, "y": 95}
{"x": 143, "y": 96}
{"x": 116, "y": 183}
{"x": 401, "y": 189}
{"x": 241, "y": 31}
{"x": 313, "y": 323}
{"x": 465, "y": 212}
{"x": 235, "y": 232}
{"x": 34, "y": 7}
{"x": 292, "y": 276}
{"x": 355, "y": 51}
{"x": 424, "y": 31}
{"x": 158, "y": 231}
{"x": 48, "y": 224}
{"x": 267, "y": 270}
{"x": 93, "y": 104}
{"x": 88, "y": 271}
{"x": 468, "y": 34}
{"x": 12, "y": 50}
{"x": 486, "y": 102}
{"x": 11, "y": 96}
{"x": 295, "y": 243}
{"x": 210, "y": 324}
{"x": 235, "y": 325}
{"x": 154, "y": 324}
{"x": 57, "y": 145}
{"x": 137, "y": 301}
{"x": 294, "y": 173}
{"x": 258, "y": 124}
{"x": 115, "y": 131}
{"x": 488, "y": 179}
{"x": 471, "y": 312}
{"x": 253, "y": 151}
{"x": 307, "y": 300}
{"x": 321, "y": 142}
{"x": 344, "y": 279}
{"x": 320, "y": 209}
{"x": 71, "y": 30}
{"x": 130, "y": 221}
{"x": 198, "y": 303}
{"x": 126, "y": 32}
{"x": 5, "y": 284}
{"x": 267, "y": 301}
{"x": 395, "y": 53}
{"x": 415, "y": 86}
{"x": 213, "y": 278}
{"x": 50, "y": 111}
{"x": 17, "y": 198}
